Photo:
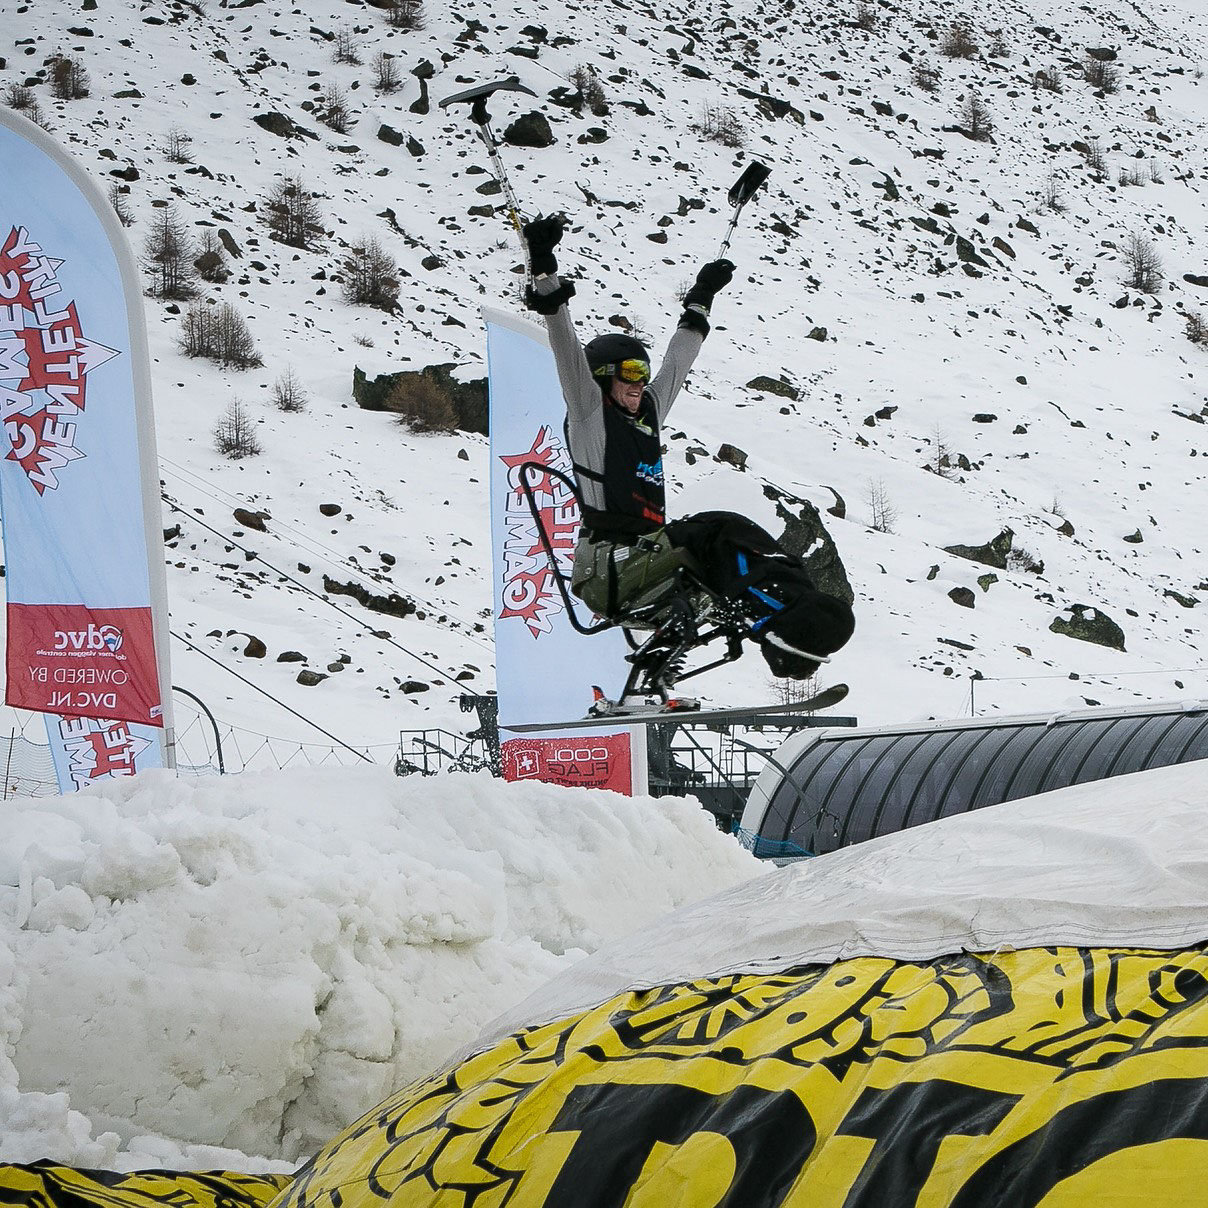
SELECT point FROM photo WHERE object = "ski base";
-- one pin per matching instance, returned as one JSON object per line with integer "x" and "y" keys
{"x": 658, "y": 716}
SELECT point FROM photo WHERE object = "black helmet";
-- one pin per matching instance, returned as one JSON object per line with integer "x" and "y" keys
{"x": 605, "y": 354}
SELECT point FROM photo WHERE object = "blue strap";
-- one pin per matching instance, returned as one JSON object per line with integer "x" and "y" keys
{"x": 774, "y": 604}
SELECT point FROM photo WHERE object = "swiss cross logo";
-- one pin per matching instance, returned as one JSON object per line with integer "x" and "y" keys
{"x": 45, "y": 359}
{"x": 529, "y": 590}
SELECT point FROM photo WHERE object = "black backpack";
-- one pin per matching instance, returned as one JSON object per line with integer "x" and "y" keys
{"x": 790, "y": 618}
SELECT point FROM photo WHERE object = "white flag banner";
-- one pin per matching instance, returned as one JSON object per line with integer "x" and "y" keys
{"x": 544, "y": 668}
{"x": 86, "y": 629}
{"x": 88, "y": 749}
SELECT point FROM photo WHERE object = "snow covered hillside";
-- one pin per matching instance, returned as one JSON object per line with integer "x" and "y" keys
{"x": 958, "y": 335}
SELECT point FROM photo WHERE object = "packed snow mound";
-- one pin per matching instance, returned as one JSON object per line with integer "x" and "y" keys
{"x": 251, "y": 962}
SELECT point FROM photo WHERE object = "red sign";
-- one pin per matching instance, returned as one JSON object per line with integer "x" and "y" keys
{"x": 83, "y": 662}
{"x": 599, "y": 762}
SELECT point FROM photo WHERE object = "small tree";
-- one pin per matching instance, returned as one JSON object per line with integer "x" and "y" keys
{"x": 346, "y": 48}
{"x": 288, "y": 392}
{"x": 720, "y": 124}
{"x": 68, "y": 79}
{"x": 587, "y": 84}
{"x": 168, "y": 252}
{"x": 1048, "y": 78}
{"x": 884, "y": 514}
{"x": 959, "y": 42}
{"x": 1103, "y": 77}
{"x": 220, "y": 334}
{"x": 940, "y": 461}
{"x": 407, "y": 15}
{"x": 294, "y": 217}
{"x": 372, "y": 277}
{"x": 1143, "y": 263}
{"x": 235, "y": 434}
{"x": 923, "y": 75}
{"x": 1096, "y": 161}
{"x": 1050, "y": 196}
{"x": 176, "y": 146}
{"x": 19, "y": 97}
{"x": 119, "y": 200}
{"x": 866, "y": 15}
{"x": 386, "y": 75}
{"x": 335, "y": 109}
{"x": 422, "y": 405}
{"x": 1197, "y": 329}
{"x": 976, "y": 119}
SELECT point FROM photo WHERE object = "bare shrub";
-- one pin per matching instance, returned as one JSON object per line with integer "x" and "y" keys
{"x": 884, "y": 514}
{"x": 866, "y": 15}
{"x": 372, "y": 277}
{"x": 720, "y": 124}
{"x": 119, "y": 199}
{"x": 168, "y": 254}
{"x": 19, "y": 97}
{"x": 1143, "y": 263}
{"x": 176, "y": 146}
{"x": 923, "y": 75}
{"x": 1096, "y": 161}
{"x": 386, "y": 75}
{"x": 346, "y": 48}
{"x": 976, "y": 119}
{"x": 235, "y": 433}
{"x": 587, "y": 84}
{"x": 1134, "y": 177}
{"x": 959, "y": 42}
{"x": 421, "y": 405}
{"x": 68, "y": 79}
{"x": 1197, "y": 329}
{"x": 407, "y": 15}
{"x": 335, "y": 109}
{"x": 220, "y": 334}
{"x": 294, "y": 217}
{"x": 1103, "y": 77}
{"x": 1048, "y": 78}
{"x": 288, "y": 393}
{"x": 1050, "y": 196}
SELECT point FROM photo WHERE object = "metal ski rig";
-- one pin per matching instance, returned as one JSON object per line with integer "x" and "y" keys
{"x": 477, "y": 98}
{"x": 673, "y": 713}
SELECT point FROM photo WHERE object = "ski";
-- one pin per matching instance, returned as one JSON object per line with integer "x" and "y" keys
{"x": 662, "y": 717}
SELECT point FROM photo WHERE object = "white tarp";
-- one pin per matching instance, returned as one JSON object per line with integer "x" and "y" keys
{"x": 1117, "y": 863}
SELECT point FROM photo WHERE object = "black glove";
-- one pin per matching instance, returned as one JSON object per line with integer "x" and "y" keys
{"x": 542, "y": 236}
{"x": 711, "y": 280}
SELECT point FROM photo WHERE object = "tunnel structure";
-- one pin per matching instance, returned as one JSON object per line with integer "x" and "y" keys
{"x": 826, "y": 789}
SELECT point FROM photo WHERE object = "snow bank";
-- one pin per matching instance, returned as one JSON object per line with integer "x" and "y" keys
{"x": 248, "y": 963}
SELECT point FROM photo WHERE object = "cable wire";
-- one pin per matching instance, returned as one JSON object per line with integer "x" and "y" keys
{"x": 181, "y": 638}
{"x": 419, "y": 658}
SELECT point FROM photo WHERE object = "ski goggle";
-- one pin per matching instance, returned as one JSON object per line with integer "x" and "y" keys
{"x": 632, "y": 370}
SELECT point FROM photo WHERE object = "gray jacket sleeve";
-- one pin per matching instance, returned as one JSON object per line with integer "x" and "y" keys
{"x": 681, "y": 352}
{"x": 580, "y": 389}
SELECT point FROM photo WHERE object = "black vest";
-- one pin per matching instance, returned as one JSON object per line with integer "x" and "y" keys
{"x": 634, "y": 494}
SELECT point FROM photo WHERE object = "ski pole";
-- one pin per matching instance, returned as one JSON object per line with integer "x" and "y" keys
{"x": 742, "y": 192}
{"x": 477, "y": 98}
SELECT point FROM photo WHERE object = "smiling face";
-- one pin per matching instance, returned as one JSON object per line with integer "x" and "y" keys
{"x": 627, "y": 395}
